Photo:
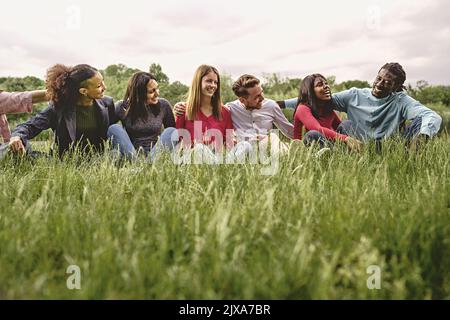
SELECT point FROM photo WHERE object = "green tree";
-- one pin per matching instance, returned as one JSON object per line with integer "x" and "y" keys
{"x": 226, "y": 88}
{"x": 174, "y": 92}
{"x": 116, "y": 78}
{"x": 156, "y": 70}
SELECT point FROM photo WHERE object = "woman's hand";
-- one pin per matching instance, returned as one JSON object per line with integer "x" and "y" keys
{"x": 179, "y": 108}
{"x": 353, "y": 144}
{"x": 17, "y": 146}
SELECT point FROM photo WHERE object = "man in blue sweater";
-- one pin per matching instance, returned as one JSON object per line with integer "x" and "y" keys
{"x": 379, "y": 112}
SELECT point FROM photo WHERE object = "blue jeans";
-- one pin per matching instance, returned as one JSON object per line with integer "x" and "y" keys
{"x": 121, "y": 142}
{"x": 315, "y": 136}
{"x": 348, "y": 128}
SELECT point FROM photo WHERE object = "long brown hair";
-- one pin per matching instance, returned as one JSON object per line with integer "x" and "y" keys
{"x": 136, "y": 95}
{"x": 194, "y": 99}
{"x": 64, "y": 82}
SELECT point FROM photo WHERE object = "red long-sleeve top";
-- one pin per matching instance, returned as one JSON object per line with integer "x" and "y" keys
{"x": 326, "y": 124}
{"x": 208, "y": 123}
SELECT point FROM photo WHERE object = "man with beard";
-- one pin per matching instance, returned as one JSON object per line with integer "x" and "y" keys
{"x": 381, "y": 111}
{"x": 253, "y": 116}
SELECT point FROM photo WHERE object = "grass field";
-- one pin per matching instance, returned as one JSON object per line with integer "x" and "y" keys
{"x": 168, "y": 231}
{"x": 165, "y": 231}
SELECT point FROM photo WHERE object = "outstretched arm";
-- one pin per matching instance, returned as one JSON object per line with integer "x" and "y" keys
{"x": 39, "y": 96}
{"x": 18, "y": 102}
{"x": 30, "y": 129}
{"x": 283, "y": 123}
{"x": 288, "y": 104}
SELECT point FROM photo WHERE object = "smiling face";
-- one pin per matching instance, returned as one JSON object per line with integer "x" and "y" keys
{"x": 322, "y": 89}
{"x": 254, "y": 99}
{"x": 385, "y": 83}
{"x": 152, "y": 92}
{"x": 209, "y": 84}
{"x": 94, "y": 87}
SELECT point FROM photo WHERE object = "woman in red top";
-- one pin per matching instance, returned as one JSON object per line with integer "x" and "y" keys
{"x": 207, "y": 123}
{"x": 315, "y": 113}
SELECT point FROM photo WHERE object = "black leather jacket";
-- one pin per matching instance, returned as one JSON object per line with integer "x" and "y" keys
{"x": 63, "y": 123}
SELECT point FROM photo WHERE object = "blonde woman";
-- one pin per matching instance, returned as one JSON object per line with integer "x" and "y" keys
{"x": 206, "y": 122}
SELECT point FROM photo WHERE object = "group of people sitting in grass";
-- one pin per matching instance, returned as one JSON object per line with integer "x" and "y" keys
{"x": 82, "y": 117}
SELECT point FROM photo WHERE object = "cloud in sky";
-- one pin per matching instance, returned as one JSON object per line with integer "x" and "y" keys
{"x": 349, "y": 39}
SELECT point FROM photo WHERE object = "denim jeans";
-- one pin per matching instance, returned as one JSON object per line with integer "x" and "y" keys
{"x": 348, "y": 128}
{"x": 121, "y": 142}
{"x": 315, "y": 136}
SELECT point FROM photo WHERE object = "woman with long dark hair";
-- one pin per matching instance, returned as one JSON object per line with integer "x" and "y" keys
{"x": 143, "y": 113}
{"x": 78, "y": 112}
{"x": 314, "y": 112}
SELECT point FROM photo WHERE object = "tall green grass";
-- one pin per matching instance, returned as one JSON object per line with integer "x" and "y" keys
{"x": 166, "y": 231}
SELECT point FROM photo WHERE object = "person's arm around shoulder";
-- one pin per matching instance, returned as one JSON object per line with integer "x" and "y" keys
{"x": 288, "y": 103}
{"x": 179, "y": 108}
{"x": 18, "y": 102}
{"x": 180, "y": 120}
{"x": 341, "y": 100}
{"x": 282, "y": 122}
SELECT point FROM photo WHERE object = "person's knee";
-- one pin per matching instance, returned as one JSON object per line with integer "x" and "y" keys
{"x": 312, "y": 135}
{"x": 345, "y": 126}
{"x": 169, "y": 137}
{"x": 114, "y": 129}
{"x": 170, "y": 132}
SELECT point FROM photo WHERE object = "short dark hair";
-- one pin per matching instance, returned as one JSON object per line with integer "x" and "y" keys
{"x": 244, "y": 82}
{"x": 397, "y": 70}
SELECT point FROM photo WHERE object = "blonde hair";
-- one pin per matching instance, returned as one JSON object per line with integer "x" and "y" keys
{"x": 194, "y": 99}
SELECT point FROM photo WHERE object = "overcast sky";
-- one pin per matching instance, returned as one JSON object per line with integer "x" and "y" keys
{"x": 350, "y": 39}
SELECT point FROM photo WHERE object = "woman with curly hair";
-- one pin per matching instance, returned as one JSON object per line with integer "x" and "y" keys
{"x": 78, "y": 112}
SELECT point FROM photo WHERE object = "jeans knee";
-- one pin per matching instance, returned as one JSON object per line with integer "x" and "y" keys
{"x": 312, "y": 135}
{"x": 345, "y": 126}
{"x": 169, "y": 137}
{"x": 114, "y": 129}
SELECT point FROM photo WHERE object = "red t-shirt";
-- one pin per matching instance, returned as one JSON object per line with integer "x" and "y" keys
{"x": 208, "y": 123}
{"x": 326, "y": 124}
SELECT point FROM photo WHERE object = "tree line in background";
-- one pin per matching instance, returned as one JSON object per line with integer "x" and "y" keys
{"x": 275, "y": 87}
